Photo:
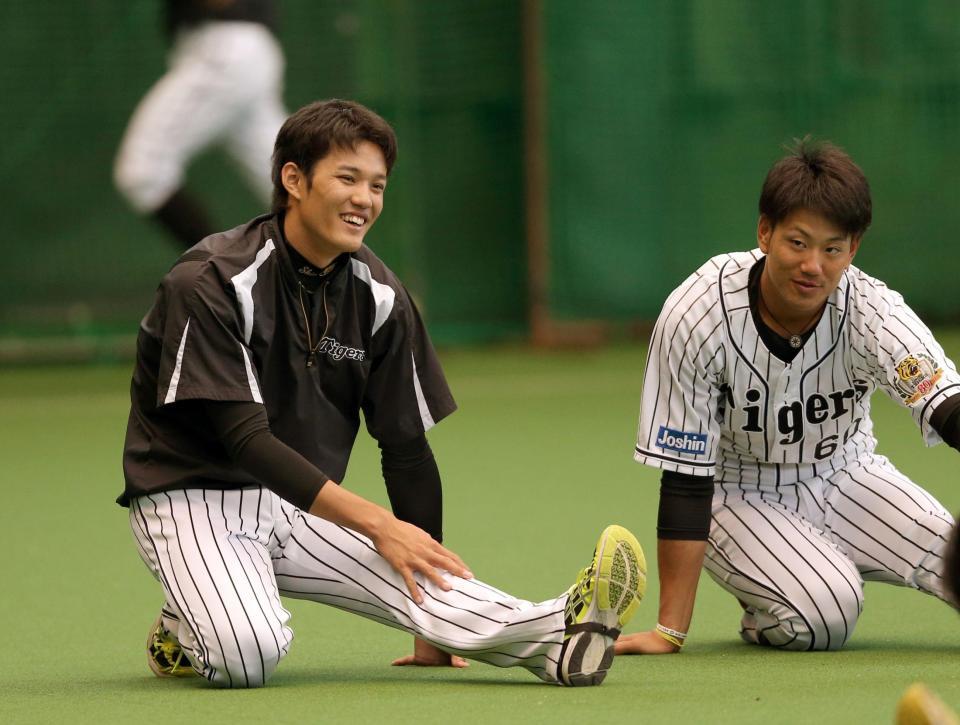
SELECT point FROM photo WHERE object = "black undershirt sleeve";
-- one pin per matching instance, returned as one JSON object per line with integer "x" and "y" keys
{"x": 946, "y": 421}
{"x": 684, "y": 507}
{"x": 244, "y": 430}
{"x": 413, "y": 484}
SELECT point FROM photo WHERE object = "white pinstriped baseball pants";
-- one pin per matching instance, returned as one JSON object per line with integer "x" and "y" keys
{"x": 224, "y": 85}
{"x": 225, "y": 557}
{"x": 797, "y": 555}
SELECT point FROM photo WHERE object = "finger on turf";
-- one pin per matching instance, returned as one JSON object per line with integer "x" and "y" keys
{"x": 644, "y": 643}
{"x": 456, "y": 662}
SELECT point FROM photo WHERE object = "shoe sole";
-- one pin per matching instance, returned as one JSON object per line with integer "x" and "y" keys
{"x": 619, "y": 583}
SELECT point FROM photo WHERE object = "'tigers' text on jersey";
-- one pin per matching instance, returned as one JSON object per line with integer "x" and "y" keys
{"x": 329, "y": 346}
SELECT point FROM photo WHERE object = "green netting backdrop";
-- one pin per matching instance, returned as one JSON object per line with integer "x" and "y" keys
{"x": 662, "y": 117}
{"x": 78, "y": 261}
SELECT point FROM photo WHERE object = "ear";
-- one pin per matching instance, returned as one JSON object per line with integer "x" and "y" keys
{"x": 764, "y": 232}
{"x": 293, "y": 180}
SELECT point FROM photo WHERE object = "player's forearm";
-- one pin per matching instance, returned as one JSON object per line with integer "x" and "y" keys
{"x": 340, "y": 506}
{"x": 413, "y": 484}
{"x": 679, "y": 564}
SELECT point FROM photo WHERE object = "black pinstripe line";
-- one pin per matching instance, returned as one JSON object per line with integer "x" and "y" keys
{"x": 741, "y": 356}
{"x": 670, "y": 350}
{"x": 890, "y": 503}
{"x": 833, "y": 346}
{"x": 732, "y": 570}
{"x": 437, "y": 638}
{"x": 176, "y": 579}
{"x": 266, "y": 588}
{"x": 474, "y": 582}
{"x": 659, "y": 336}
{"x": 357, "y": 583}
{"x": 246, "y": 575}
{"x": 165, "y": 581}
{"x": 168, "y": 591}
{"x": 256, "y": 531}
{"x": 770, "y": 586}
{"x": 369, "y": 546}
{"x": 216, "y": 589}
{"x": 307, "y": 578}
{"x": 681, "y": 461}
{"x": 923, "y": 411}
{"x": 888, "y": 548}
{"x": 194, "y": 626}
{"x": 268, "y": 585}
{"x": 213, "y": 583}
{"x": 886, "y": 568}
{"x": 882, "y": 546}
{"x": 935, "y": 509}
{"x": 813, "y": 540}
{"x": 279, "y": 610}
{"x": 781, "y": 645}
{"x": 786, "y": 569}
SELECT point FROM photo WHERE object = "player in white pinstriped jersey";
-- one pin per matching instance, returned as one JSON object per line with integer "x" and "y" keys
{"x": 756, "y": 406}
{"x": 223, "y": 86}
{"x": 262, "y": 348}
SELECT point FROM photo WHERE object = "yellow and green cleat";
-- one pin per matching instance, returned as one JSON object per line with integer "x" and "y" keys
{"x": 601, "y": 602}
{"x": 165, "y": 656}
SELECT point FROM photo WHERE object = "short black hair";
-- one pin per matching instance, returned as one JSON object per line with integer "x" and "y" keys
{"x": 821, "y": 178}
{"x": 309, "y": 134}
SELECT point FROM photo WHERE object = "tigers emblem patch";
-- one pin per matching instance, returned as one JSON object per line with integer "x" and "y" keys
{"x": 917, "y": 373}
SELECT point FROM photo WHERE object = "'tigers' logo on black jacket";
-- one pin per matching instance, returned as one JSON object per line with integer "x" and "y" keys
{"x": 329, "y": 346}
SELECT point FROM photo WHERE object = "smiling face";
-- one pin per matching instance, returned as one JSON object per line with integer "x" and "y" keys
{"x": 806, "y": 256}
{"x": 331, "y": 211}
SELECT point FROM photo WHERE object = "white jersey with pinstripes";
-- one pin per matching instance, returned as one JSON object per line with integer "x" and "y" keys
{"x": 717, "y": 403}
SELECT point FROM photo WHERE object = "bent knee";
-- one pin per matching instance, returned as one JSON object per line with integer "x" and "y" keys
{"x": 245, "y": 666}
{"x": 813, "y": 626}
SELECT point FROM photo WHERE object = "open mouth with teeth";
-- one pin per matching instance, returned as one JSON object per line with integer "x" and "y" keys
{"x": 354, "y": 220}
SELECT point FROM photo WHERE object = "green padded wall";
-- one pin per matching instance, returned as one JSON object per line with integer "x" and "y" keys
{"x": 444, "y": 72}
{"x": 664, "y": 116}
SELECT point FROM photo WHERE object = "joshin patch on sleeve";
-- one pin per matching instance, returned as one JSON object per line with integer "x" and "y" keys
{"x": 917, "y": 374}
{"x": 681, "y": 441}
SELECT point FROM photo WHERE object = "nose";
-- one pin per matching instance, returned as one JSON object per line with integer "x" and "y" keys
{"x": 811, "y": 265}
{"x": 362, "y": 196}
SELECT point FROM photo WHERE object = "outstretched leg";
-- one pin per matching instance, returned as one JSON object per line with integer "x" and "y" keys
{"x": 331, "y": 564}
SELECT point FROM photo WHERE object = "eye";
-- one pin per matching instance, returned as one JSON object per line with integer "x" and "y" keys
{"x": 796, "y": 243}
{"x": 379, "y": 188}
{"x": 346, "y": 178}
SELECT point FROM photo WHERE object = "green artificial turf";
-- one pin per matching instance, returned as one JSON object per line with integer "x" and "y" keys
{"x": 535, "y": 463}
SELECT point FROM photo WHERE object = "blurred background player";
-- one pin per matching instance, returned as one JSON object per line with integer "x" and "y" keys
{"x": 756, "y": 401}
{"x": 223, "y": 86}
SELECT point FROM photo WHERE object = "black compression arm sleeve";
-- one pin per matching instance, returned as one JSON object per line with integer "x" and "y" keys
{"x": 946, "y": 421}
{"x": 244, "y": 430}
{"x": 684, "y": 507}
{"x": 413, "y": 484}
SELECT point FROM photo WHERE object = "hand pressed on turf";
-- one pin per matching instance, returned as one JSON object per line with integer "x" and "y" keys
{"x": 644, "y": 643}
{"x": 426, "y": 655}
{"x": 409, "y": 550}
